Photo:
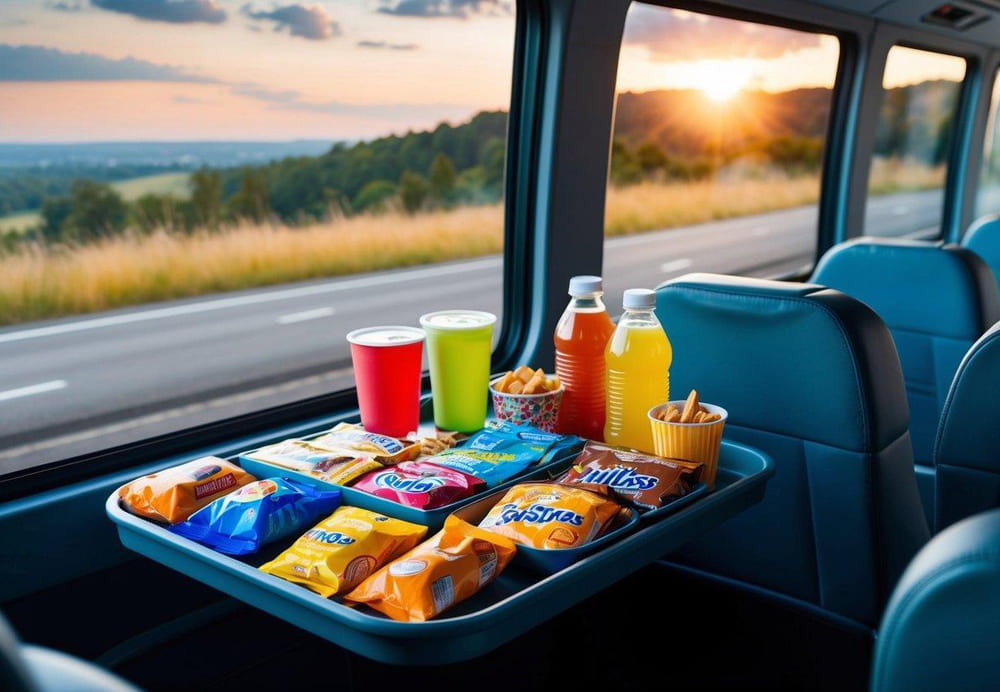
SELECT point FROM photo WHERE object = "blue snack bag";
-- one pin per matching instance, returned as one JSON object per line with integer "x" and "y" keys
{"x": 501, "y": 451}
{"x": 259, "y": 513}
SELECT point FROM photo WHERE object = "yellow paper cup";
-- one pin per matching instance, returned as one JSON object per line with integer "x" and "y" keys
{"x": 690, "y": 441}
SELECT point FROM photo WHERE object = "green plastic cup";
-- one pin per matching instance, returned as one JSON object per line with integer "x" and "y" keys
{"x": 459, "y": 345}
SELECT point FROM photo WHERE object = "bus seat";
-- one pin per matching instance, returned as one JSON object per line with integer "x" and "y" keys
{"x": 967, "y": 454}
{"x": 983, "y": 238}
{"x": 37, "y": 669}
{"x": 811, "y": 377}
{"x": 937, "y": 300}
{"x": 940, "y": 627}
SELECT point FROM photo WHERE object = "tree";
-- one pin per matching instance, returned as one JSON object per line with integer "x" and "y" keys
{"x": 55, "y": 210}
{"x": 625, "y": 169}
{"x": 374, "y": 195}
{"x": 412, "y": 191}
{"x": 206, "y": 197}
{"x": 97, "y": 211}
{"x": 442, "y": 179}
{"x": 650, "y": 158}
{"x": 151, "y": 212}
{"x": 251, "y": 200}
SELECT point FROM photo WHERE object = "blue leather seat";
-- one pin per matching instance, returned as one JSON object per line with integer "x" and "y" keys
{"x": 37, "y": 669}
{"x": 983, "y": 238}
{"x": 810, "y": 376}
{"x": 937, "y": 300}
{"x": 967, "y": 454}
{"x": 940, "y": 630}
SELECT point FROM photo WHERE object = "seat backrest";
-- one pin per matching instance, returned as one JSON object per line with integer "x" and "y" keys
{"x": 940, "y": 628}
{"x": 967, "y": 453}
{"x": 936, "y": 299}
{"x": 983, "y": 238}
{"x": 809, "y": 376}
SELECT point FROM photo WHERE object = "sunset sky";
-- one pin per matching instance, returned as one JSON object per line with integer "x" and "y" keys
{"x": 97, "y": 70}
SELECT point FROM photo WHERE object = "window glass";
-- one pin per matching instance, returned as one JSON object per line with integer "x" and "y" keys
{"x": 913, "y": 143}
{"x": 717, "y": 150}
{"x": 988, "y": 198}
{"x": 199, "y": 199}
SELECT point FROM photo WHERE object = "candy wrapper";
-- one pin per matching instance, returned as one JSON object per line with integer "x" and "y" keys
{"x": 444, "y": 570}
{"x": 174, "y": 494}
{"x": 344, "y": 549}
{"x": 420, "y": 484}
{"x": 338, "y": 467}
{"x": 257, "y": 514}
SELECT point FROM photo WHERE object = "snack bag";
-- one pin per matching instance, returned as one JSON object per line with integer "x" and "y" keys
{"x": 352, "y": 440}
{"x": 550, "y": 515}
{"x": 420, "y": 484}
{"x": 440, "y": 572}
{"x": 500, "y": 451}
{"x": 335, "y": 467}
{"x": 642, "y": 480}
{"x": 174, "y": 494}
{"x": 257, "y": 514}
{"x": 344, "y": 549}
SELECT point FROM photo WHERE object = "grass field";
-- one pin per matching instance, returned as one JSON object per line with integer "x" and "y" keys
{"x": 38, "y": 282}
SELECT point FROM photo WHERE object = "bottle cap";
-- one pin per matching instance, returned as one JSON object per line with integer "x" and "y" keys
{"x": 585, "y": 285}
{"x": 639, "y": 299}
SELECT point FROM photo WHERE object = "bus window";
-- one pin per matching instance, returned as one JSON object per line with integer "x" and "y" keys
{"x": 913, "y": 143}
{"x": 199, "y": 200}
{"x": 988, "y": 197}
{"x": 717, "y": 150}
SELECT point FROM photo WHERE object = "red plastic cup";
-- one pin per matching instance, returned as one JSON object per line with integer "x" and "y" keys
{"x": 387, "y": 373}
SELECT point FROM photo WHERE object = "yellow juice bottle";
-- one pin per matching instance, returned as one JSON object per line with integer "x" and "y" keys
{"x": 637, "y": 362}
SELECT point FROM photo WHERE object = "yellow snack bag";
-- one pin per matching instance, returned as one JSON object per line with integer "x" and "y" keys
{"x": 550, "y": 515}
{"x": 174, "y": 494}
{"x": 342, "y": 550}
{"x": 352, "y": 440}
{"x": 440, "y": 572}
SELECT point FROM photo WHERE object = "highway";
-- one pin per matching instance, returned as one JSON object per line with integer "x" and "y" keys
{"x": 80, "y": 384}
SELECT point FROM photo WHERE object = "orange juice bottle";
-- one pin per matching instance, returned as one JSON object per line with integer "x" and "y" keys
{"x": 637, "y": 361}
{"x": 581, "y": 336}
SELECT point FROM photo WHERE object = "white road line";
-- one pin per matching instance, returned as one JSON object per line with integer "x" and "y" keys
{"x": 252, "y": 299}
{"x": 31, "y": 390}
{"x": 676, "y": 265}
{"x": 305, "y": 315}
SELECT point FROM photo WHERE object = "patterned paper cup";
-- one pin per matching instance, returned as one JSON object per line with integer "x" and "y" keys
{"x": 690, "y": 441}
{"x": 539, "y": 410}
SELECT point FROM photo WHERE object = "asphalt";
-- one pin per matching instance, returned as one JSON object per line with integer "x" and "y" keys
{"x": 76, "y": 385}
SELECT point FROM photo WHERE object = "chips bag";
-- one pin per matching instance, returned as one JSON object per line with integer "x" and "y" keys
{"x": 337, "y": 467}
{"x": 500, "y": 451}
{"x": 348, "y": 439}
{"x": 440, "y": 572}
{"x": 174, "y": 494}
{"x": 344, "y": 549}
{"x": 420, "y": 484}
{"x": 257, "y": 514}
{"x": 549, "y": 515}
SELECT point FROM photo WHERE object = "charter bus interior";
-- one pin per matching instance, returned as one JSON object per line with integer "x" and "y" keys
{"x": 201, "y": 199}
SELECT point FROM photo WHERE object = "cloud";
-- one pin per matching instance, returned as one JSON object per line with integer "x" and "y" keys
{"x": 40, "y": 64}
{"x": 461, "y": 9}
{"x": 308, "y": 21}
{"x": 65, "y": 6}
{"x": 677, "y": 35}
{"x": 387, "y": 46}
{"x": 172, "y": 11}
{"x": 181, "y": 98}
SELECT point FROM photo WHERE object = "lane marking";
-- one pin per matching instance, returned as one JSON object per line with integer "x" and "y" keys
{"x": 31, "y": 390}
{"x": 251, "y": 299}
{"x": 676, "y": 265}
{"x": 305, "y": 315}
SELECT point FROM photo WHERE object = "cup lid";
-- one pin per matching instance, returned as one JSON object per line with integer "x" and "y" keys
{"x": 457, "y": 319}
{"x": 386, "y": 336}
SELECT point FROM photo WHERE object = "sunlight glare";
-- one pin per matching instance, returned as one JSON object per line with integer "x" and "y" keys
{"x": 721, "y": 80}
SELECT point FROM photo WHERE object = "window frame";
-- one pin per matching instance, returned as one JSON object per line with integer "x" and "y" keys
{"x": 983, "y": 128}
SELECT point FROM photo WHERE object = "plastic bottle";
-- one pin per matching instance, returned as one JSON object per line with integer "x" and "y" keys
{"x": 637, "y": 361}
{"x": 581, "y": 337}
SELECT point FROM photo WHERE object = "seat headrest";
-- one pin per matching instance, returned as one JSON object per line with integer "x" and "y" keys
{"x": 919, "y": 286}
{"x": 761, "y": 343}
{"x": 983, "y": 238}
{"x": 969, "y": 434}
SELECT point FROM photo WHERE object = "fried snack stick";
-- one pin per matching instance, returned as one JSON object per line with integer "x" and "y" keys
{"x": 690, "y": 407}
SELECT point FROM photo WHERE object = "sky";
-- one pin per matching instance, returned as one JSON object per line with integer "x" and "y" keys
{"x": 101, "y": 70}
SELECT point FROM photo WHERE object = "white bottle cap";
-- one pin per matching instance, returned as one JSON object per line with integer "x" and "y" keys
{"x": 585, "y": 285}
{"x": 639, "y": 299}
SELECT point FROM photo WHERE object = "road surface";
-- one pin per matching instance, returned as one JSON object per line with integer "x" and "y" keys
{"x": 81, "y": 384}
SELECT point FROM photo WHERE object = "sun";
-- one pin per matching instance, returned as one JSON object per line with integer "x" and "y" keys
{"x": 721, "y": 81}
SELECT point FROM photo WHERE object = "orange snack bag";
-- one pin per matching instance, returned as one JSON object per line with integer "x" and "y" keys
{"x": 550, "y": 515}
{"x": 174, "y": 494}
{"x": 440, "y": 572}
